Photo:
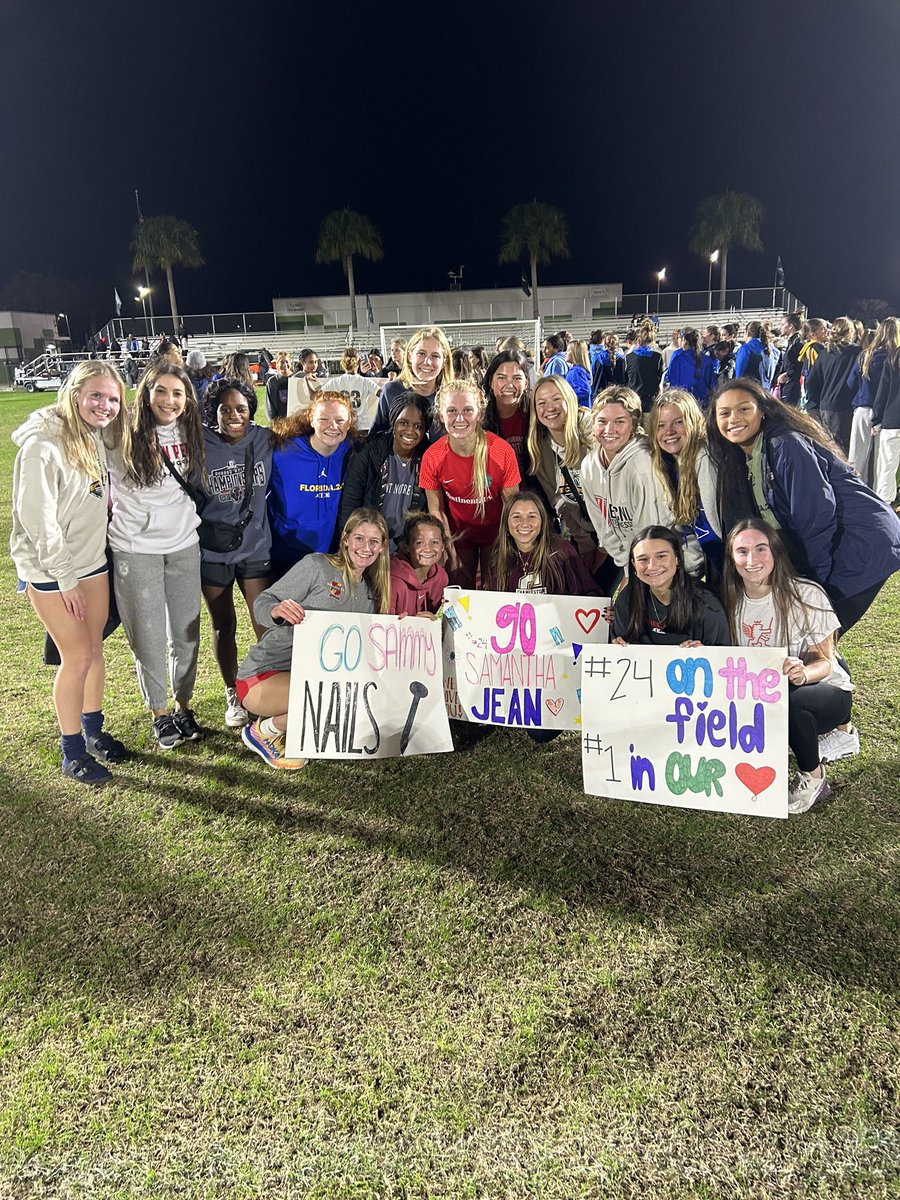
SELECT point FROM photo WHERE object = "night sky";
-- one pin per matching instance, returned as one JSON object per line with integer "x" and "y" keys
{"x": 253, "y": 121}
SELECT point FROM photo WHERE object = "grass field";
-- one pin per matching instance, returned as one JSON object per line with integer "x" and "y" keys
{"x": 435, "y": 978}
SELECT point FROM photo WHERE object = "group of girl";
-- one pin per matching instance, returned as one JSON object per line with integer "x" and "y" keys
{"x": 511, "y": 487}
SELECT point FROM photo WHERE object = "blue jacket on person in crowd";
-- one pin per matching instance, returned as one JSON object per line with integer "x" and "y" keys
{"x": 557, "y": 364}
{"x": 607, "y": 371}
{"x": 579, "y": 381}
{"x": 865, "y": 388}
{"x": 696, "y": 377}
{"x": 304, "y": 500}
{"x": 752, "y": 360}
{"x": 839, "y": 532}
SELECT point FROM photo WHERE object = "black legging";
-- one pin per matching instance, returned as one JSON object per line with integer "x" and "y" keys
{"x": 849, "y": 610}
{"x": 813, "y": 709}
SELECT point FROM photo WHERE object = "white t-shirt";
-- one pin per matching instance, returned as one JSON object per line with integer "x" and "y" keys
{"x": 361, "y": 391}
{"x": 809, "y": 625}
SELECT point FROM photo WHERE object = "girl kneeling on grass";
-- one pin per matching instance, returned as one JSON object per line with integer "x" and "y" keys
{"x": 417, "y": 577}
{"x": 58, "y": 544}
{"x": 155, "y": 547}
{"x": 354, "y": 579}
{"x": 662, "y": 605}
{"x": 768, "y": 604}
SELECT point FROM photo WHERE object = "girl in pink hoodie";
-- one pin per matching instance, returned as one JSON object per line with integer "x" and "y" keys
{"x": 417, "y": 577}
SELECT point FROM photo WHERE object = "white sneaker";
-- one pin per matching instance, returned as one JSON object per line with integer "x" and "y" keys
{"x": 235, "y": 713}
{"x": 807, "y": 791}
{"x": 838, "y": 744}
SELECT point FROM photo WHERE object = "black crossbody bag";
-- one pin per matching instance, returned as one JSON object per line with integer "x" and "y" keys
{"x": 221, "y": 537}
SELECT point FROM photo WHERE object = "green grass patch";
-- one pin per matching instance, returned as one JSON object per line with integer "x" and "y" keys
{"x": 457, "y": 977}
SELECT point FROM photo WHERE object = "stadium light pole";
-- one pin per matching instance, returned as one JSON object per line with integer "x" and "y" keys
{"x": 660, "y": 276}
{"x": 143, "y": 293}
{"x": 713, "y": 258}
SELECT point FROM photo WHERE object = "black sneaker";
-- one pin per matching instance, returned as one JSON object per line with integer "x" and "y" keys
{"x": 187, "y": 726}
{"x": 105, "y": 747}
{"x": 86, "y": 769}
{"x": 166, "y": 732}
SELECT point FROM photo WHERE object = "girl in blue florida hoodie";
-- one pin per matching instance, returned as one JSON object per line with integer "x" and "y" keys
{"x": 308, "y": 467}
{"x": 757, "y": 358}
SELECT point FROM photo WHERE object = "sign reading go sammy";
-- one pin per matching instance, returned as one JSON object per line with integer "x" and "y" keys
{"x": 366, "y": 687}
{"x": 513, "y": 658}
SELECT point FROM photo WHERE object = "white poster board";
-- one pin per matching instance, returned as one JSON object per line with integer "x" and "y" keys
{"x": 366, "y": 687}
{"x": 512, "y": 658}
{"x": 704, "y": 728}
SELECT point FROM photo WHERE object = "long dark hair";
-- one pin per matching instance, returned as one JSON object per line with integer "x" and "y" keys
{"x": 545, "y": 557}
{"x": 145, "y": 457}
{"x": 491, "y": 420}
{"x": 684, "y": 591}
{"x": 784, "y": 582}
{"x": 734, "y": 493}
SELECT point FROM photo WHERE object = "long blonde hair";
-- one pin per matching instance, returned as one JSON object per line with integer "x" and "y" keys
{"x": 887, "y": 338}
{"x": 378, "y": 576}
{"x": 683, "y": 500}
{"x": 579, "y": 352}
{"x": 78, "y": 442}
{"x": 407, "y": 377}
{"x": 841, "y": 333}
{"x": 479, "y": 459}
{"x": 575, "y": 442}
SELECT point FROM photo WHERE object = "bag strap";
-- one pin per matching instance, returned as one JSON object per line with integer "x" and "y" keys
{"x": 249, "y": 468}
{"x": 579, "y": 499}
{"x": 196, "y": 494}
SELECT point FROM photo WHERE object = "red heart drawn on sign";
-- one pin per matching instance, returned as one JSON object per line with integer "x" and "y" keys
{"x": 755, "y": 779}
{"x": 555, "y": 705}
{"x": 587, "y": 618}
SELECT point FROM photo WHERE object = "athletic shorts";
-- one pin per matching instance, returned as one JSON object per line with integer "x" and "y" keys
{"x": 215, "y": 574}
{"x": 243, "y": 686}
{"x": 54, "y": 587}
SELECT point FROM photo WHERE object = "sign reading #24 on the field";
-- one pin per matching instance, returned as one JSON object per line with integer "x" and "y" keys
{"x": 512, "y": 658}
{"x": 366, "y": 687}
{"x": 699, "y": 728}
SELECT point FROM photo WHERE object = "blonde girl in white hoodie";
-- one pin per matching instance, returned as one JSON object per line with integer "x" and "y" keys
{"x": 155, "y": 547}
{"x": 621, "y": 492}
{"x": 58, "y": 544}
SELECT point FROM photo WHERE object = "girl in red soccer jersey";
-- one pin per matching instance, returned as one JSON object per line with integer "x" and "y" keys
{"x": 467, "y": 477}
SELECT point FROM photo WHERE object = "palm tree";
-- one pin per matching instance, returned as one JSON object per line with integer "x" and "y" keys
{"x": 538, "y": 231}
{"x": 725, "y": 220}
{"x": 166, "y": 242}
{"x": 342, "y": 234}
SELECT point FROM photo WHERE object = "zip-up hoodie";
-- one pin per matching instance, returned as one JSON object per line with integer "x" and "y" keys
{"x": 161, "y": 518}
{"x": 59, "y": 513}
{"x": 623, "y": 497}
{"x": 304, "y": 499}
{"x": 410, "y": 595}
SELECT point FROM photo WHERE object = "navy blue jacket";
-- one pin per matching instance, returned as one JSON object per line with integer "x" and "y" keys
{"x": 839, "y": 532}
{"x": 828, "y": 385}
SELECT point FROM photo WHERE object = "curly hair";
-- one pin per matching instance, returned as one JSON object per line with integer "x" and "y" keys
{"x": 213, "y": 398}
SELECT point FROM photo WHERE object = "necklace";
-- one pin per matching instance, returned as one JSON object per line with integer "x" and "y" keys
{"x": 659, "y": 617}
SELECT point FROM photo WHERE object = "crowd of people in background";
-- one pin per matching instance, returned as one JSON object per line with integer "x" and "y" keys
{"x": 734, "y": 487}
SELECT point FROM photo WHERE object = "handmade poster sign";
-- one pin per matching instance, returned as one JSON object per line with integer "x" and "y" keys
{"x": 366, "y": 687}
{"x": 512, "y": 658}
{"x": 703, "y": 728}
